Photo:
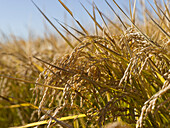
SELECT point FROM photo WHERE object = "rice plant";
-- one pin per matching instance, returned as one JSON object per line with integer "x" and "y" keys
{"x": 117, "y": 77}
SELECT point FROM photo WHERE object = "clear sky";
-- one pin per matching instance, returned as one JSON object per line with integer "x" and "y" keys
{"x": 19, "y": 16}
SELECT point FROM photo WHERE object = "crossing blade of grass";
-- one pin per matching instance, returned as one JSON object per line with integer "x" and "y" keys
{"x": 68, "y": 10}
{"x": 68, "y": 31}
{"x": 116, "y": 15}
{"x": 134, "y": 11}
{"x": 103, "y": 19}
{"x": 46, "y": 121}
{"x": 167, "y": 10}
{"x": 94, "y": 15}
{"x": 62, "y": 69}
{"x": 98, "y": 25}
{"x": 68, "y": 42}
{"x": 158, "y": 26}
{"x": 31, "y": 82}
{"x": 159, "y": 14}
{"x": 154, "y": 10}
{"x": 102, "y": 15}
{"x": 76, "y": 30}
{"x": 114, "y": 24}
{"x": 92, "y": 18}
{"x": 13, "y": 101}
{"x": 20, "y": 105}
{"x": 38, "y": 67}
{"x": 63, "y": 124}
{"x": 109, "y": 50}
{"x": 130, "y": 4}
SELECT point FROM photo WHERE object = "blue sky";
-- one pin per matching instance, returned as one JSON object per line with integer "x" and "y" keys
{"x": 20, "y": 16}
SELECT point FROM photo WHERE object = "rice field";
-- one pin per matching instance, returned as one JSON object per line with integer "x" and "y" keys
{"x": 117, "y": 77}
